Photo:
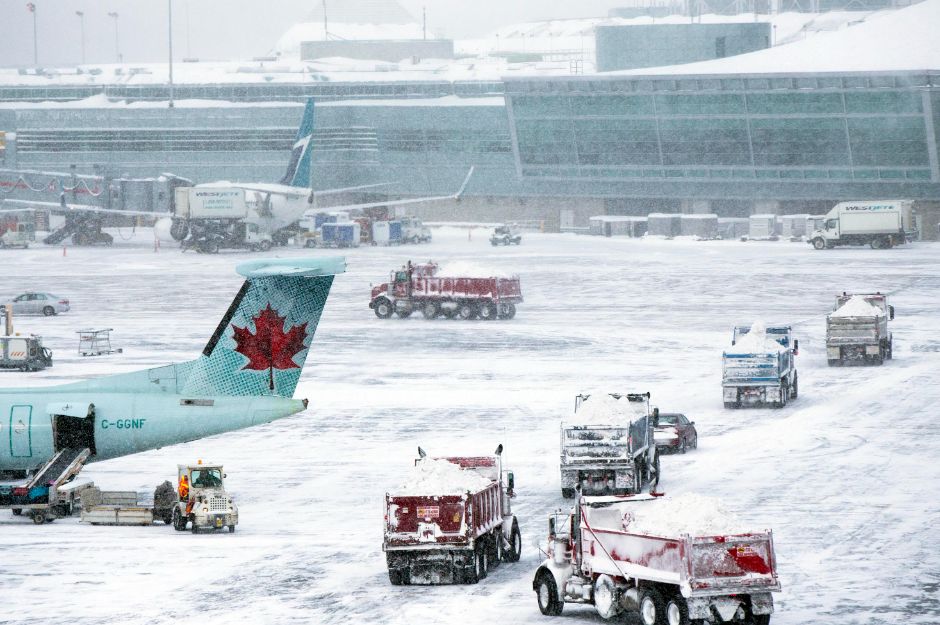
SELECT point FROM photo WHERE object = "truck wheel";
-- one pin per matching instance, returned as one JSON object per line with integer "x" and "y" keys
{"x": 404, "y": 313}
{"x": 39, "y": 517}
{"x": 431, "y": 310}
{"x": 396, "y": 577}
{"x": 606, "y": 601}
{"x": 677, "y": 611}
{"x": 890, "y": 352}
{"x": 652, "y": 607}
{"x": 515, "y": 544}
{"x": 488, "y": 311}
{"x": 231, "y": 529}
{"x": 466, "y": 311}
{"x": 567, "y": 493}
{"x": 17, "y": 511}
{"x": 194, "y": 529}
{"x": 834, "y": 363}
{"x": 179, "y": 521}
{"x": 819, "y": 243}
{"x": 546, "y": 591}
{"x": 507, "y": 311}
{"x": 637, "y": 477}
{"x": 795, "y": 389}
{"x": 383, "y": 308}
{"x": 482, "y": 561}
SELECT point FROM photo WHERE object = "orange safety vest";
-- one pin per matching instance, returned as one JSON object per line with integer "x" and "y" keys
{"x": 184, "y": 487}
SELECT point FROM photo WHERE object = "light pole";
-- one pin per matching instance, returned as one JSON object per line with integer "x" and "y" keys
{"x": 117, "y": 47}
{"x": 169, "y": 6}
{"x": 81, "y": 17}
{"x": 32, "y": 9}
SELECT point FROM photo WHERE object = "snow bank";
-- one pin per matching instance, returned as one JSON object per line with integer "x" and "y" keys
{"x": 683, "y": 514}
{"x": 463, "y": 269}
{"x": 601, "y": 409}
{"x": 857, "y": 306}
{"x": 439, "y": 477}
{"x": 757, "y": 341}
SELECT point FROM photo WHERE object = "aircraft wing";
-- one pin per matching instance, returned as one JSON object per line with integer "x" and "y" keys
{"x": 289, "y": 191}
{"x": 63, "y": 208}
{"x": 417, "y": 200}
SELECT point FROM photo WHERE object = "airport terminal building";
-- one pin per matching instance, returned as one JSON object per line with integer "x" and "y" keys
{"x": 790, "y": 129}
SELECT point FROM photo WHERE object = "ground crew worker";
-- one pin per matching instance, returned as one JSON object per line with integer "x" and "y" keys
{"x": 184, "y": 487}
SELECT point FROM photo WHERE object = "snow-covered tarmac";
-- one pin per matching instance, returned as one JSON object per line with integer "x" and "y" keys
{"x": 847, "y": 476}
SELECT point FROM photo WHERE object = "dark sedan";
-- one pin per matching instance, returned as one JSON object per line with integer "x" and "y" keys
{"x": 675, "y": 433}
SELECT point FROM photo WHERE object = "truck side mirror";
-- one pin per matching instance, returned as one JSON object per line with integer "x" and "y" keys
{"x": 510, "y": 481}
{"x": 890, "y": 312}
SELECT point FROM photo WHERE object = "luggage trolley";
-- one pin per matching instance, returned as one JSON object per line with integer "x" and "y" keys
{"x": 96, "y": 342}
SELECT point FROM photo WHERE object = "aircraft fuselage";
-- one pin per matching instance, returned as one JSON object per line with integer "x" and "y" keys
{"x": 35, "y": 423}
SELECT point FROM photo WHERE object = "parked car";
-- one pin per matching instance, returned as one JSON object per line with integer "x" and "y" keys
{"x": 674, "y": 432}
{"x": 39, "y": 304}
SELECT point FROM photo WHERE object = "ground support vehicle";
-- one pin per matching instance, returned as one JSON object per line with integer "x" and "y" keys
{"x": 24, "y": 353}
{"x": 206, "y": 505}
{"x": 608, "y": 447}
{"x": 760, "y": 370}
{"x": 210, "y": 236}
{"x": 39, "y": 495}
{"x": 505, "y": 235}
{"x": 454, "y": 531}
{"x": 595, "y": 557}
{"x": 857, "y": 330}
{"x": 880, "y": 224}
{"x": 674, "y": 432}
{"x": 123, "y": 507}
{"x": 17, "y": 234}
{"x": 337, "y": 234}
{"x": 414, "y": 231}
{"x": 420, "y": 287}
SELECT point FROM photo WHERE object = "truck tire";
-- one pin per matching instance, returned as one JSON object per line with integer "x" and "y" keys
{"x": 546, "y": 593}
{"x": 404, "y": 313}
{"x": 383, "y": 308}
{"x": 430, "y": 310}
{"x": 39, "y": 517}
{"x": 16, "y": 511}
{"x": 396, "y": 577}
{"x": 192, "y": 519}
{"x": 606, "y": 601}
{"x": 819, "y": 243}
{"x": 795, "y": 389}
{"x": 178, "y": 523}
{"x": 480, "y": 563}
{"x": 677, "y": 611}
{"x": 652, "y": 607}
{"x": 637, "y": 477}
{"x": 231, "y": 529}
{"x": 515, "y": 544}
{"x": 567, "y": 493}
{"x": 889, "y": 354}
{"x": 466, "y": 311}
{"x": 487, "y": 311}
{"x": 507, "y": 310}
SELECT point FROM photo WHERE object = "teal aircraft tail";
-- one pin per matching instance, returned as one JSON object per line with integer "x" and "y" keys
{"x": 298, "y": 168}
{"x": 260, "y": 346}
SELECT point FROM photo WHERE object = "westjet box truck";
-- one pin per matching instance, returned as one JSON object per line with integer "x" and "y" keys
{"x": 881, "y": 224}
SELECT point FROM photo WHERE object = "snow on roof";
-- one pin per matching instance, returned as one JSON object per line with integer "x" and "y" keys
{"x": 857, "y": 306}
{"x": 757, "y": 341}
{"x": 440, "y": 477}
{"x": 764, "y": 216}
{"x": 901, "y": 40}
{"x": 601, "y": 408}
{"x": 692, "y": 514}
{"x": 701, "y": 216}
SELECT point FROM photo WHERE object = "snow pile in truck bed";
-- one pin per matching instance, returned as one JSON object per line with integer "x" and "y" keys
{"x": 440, "y": 477}
{"x": 757, "y": 341}
{"x": 601, "y": 409}
{"x": 692, "y": 514}
{"x": 463, "y": 269}
{"x": 857, "y": 306}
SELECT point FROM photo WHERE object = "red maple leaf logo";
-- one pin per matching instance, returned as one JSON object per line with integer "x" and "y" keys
{"x": 269, "y": 347}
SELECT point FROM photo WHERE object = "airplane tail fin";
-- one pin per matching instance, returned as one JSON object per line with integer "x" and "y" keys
{"x": 260, "y": 346}
{"x": 298, "y": 170}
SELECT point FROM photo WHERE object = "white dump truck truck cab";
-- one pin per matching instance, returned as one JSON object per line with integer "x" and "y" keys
{"x": 204, "y": 504}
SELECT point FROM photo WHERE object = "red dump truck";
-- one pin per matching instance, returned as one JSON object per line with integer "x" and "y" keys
{"x": 667, "y": 561}
{"x": 451, "y": 522}
{"x": 425, "y": 288}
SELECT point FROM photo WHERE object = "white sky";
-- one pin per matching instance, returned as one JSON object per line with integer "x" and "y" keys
{"x": 227, "y": 29}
